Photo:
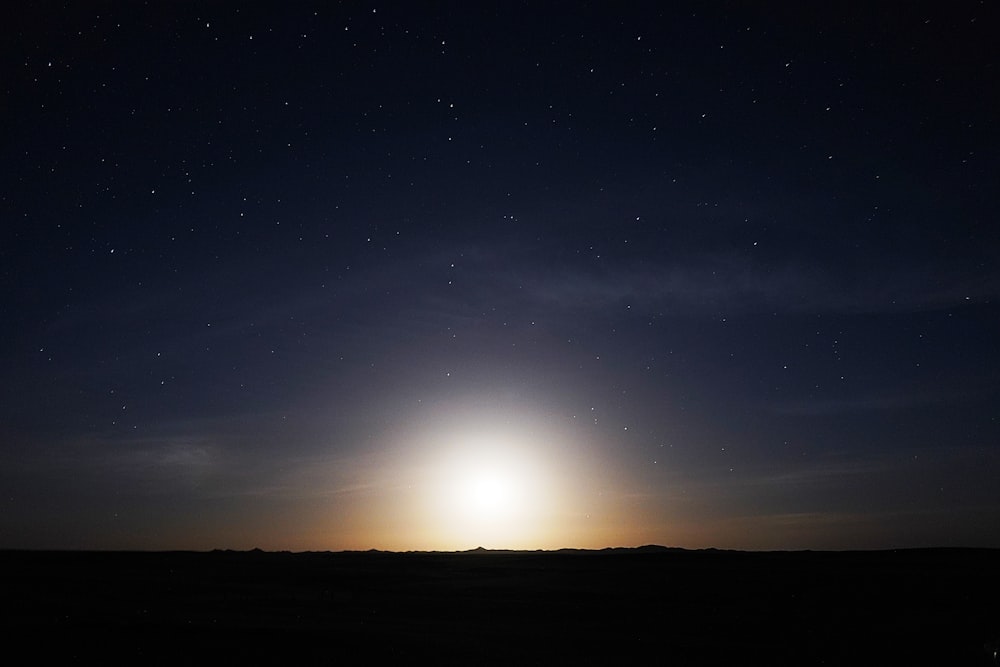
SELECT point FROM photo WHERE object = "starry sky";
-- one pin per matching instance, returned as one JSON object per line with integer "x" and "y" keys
{"x": 520, "y": 275}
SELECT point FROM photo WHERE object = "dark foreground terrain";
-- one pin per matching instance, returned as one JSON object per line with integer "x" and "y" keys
{"x": 608, "y": 607}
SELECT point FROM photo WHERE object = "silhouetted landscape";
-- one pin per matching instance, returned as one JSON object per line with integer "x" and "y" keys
{"x": 918, "y": 606}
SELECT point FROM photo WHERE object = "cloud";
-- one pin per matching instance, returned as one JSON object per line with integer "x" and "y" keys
{"x": 187, "y": 458}
{"x": 817, "y": 407}
{"x": 731, "y": 285}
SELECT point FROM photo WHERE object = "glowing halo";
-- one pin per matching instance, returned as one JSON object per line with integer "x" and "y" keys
{"x": 487, "y": 489}
{"x": 488, "y": 493}
{"x": 501, "y": 477}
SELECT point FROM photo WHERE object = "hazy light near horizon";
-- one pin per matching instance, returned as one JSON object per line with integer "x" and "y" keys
{"x": 488, "y": 488}
{"x": 505, "y": 479}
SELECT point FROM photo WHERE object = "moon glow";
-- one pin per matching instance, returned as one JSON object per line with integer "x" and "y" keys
{"x": 495, "y": 476}
{"x": 487, "y": 485}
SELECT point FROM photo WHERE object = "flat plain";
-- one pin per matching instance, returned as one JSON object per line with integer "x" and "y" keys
{"x": 671, "y": 606}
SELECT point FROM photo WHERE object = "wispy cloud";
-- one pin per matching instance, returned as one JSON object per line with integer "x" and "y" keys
{"x": 728, "y": 284}
{"x": 819, "y": 407}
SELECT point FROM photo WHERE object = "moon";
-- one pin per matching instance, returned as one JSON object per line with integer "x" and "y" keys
{"x": 489, "y": 489}
{"x": 472, "y": 475}
{"x": 488, "y": 494}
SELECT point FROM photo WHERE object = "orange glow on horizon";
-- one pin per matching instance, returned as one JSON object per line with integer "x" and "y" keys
{"x": 472, "y": 477}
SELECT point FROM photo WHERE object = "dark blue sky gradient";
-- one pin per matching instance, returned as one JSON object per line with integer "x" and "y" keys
{"x": 742, "y": 258}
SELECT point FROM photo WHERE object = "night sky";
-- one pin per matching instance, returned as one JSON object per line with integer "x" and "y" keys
{"x": 519, "y": 275}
